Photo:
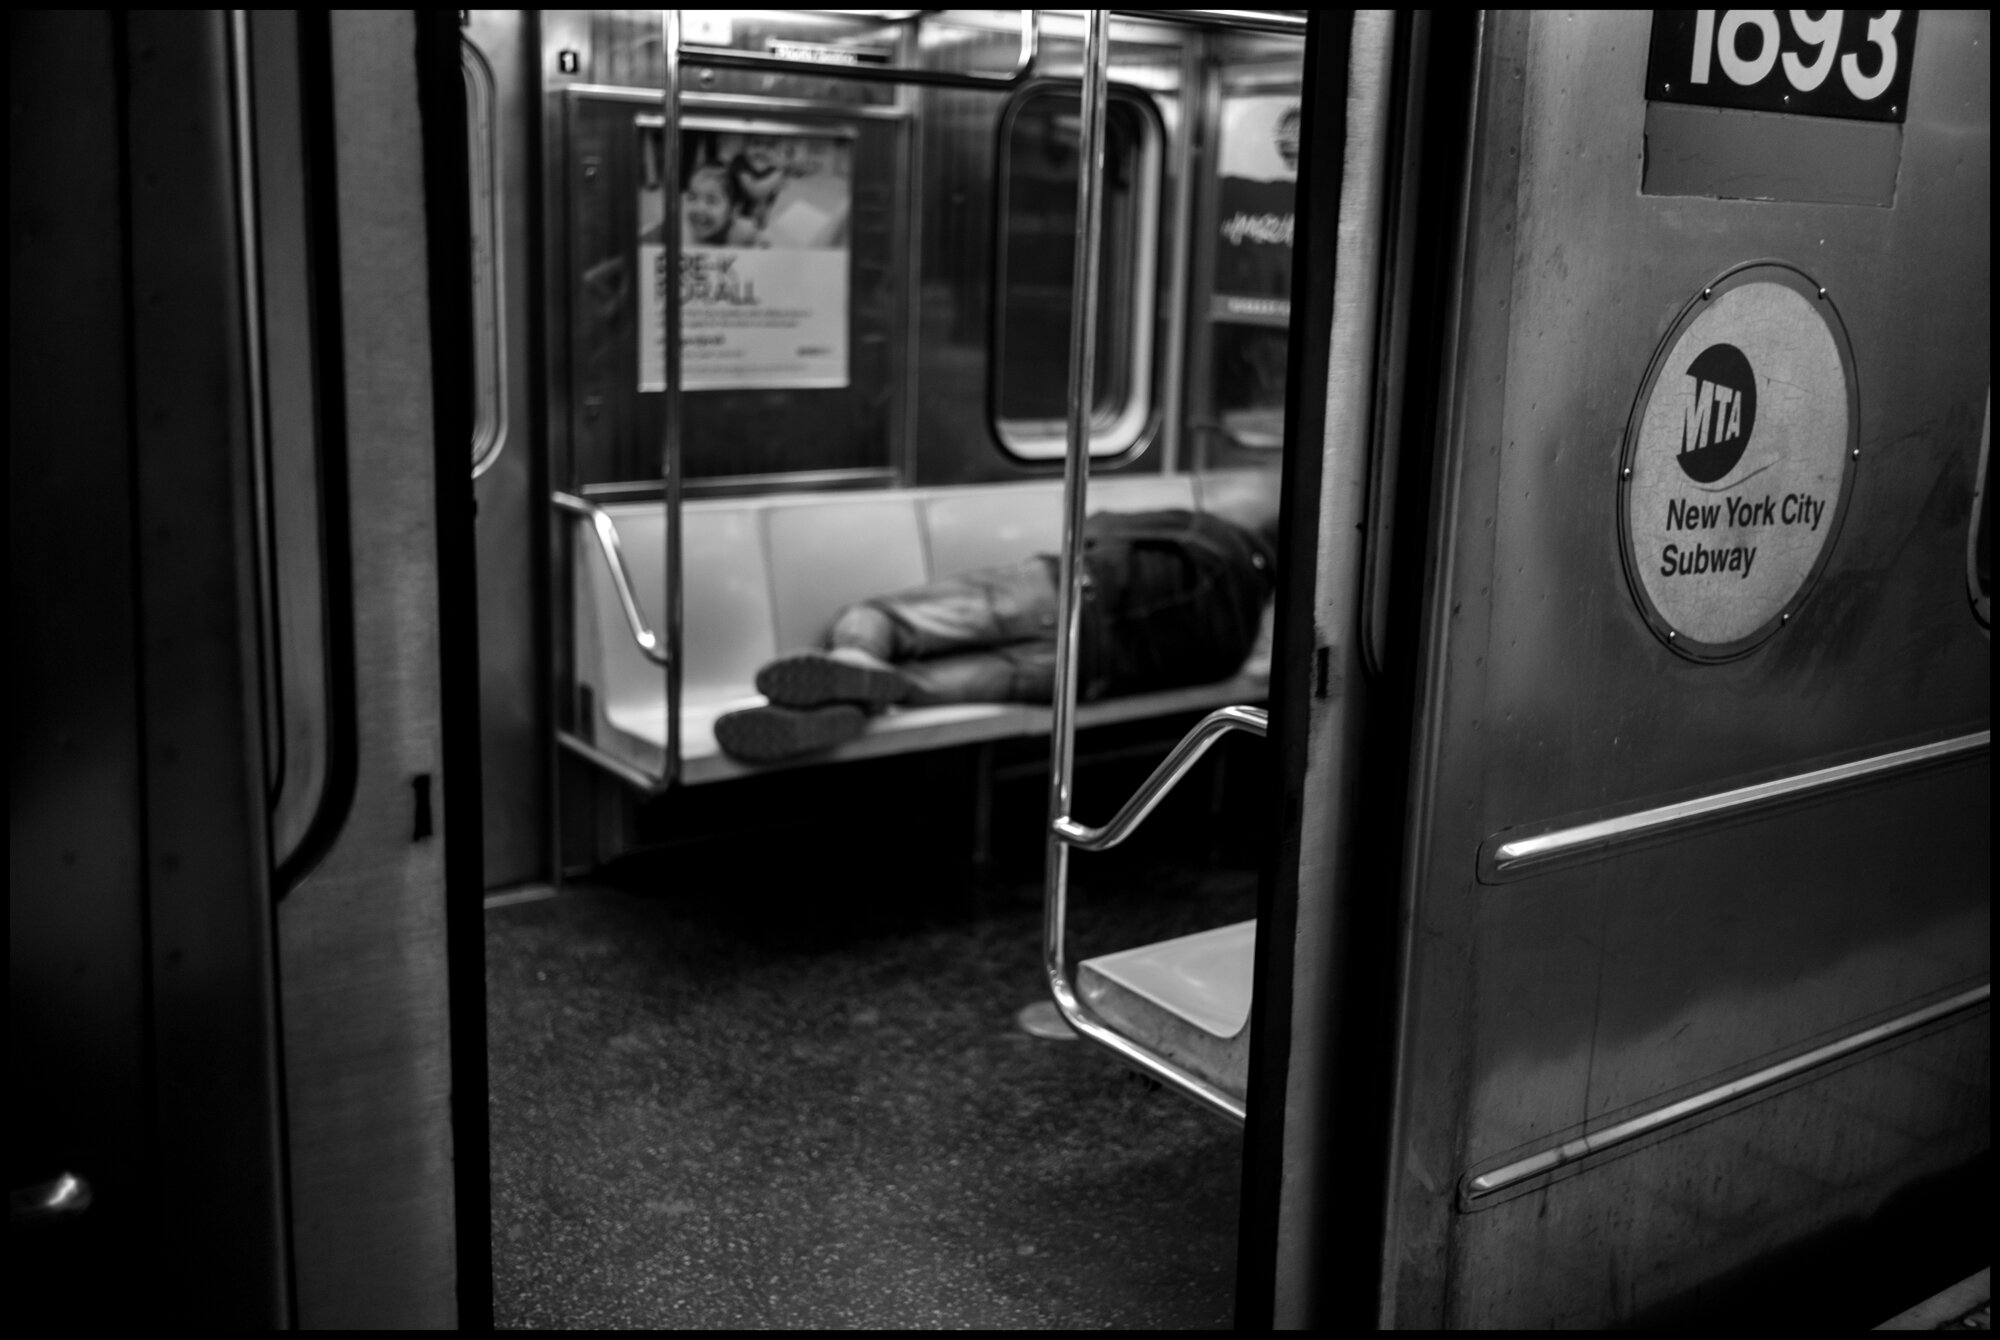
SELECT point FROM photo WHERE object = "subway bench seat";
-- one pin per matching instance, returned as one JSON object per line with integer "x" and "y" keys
{"x": 1189, "y": 998}
{"x": 768, "y": 574}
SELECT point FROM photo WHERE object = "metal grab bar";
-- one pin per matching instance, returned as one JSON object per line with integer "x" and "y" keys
{"x": 1231, "y": 20}
{"x": 729, "y": 58}
{"x": 621, "y": 581}
{"x": 1165, "y": 777}
{"x": 1063, "y": 831}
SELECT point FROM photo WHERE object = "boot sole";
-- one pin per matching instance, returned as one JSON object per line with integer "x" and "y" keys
{"x": 812, "y": 679}
{"x": 772, "y": 734}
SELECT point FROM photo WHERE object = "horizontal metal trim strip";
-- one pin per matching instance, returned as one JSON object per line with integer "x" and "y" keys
{"x": 1646, "y": 1123}
{"x": 1502, "y": 859}
{"x": 744, "y": 102}
{"x": 611, "y": 763}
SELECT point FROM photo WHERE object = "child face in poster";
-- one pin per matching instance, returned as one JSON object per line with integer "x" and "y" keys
{"x": 788, "y": 192}
{"x": 708, "y": 210}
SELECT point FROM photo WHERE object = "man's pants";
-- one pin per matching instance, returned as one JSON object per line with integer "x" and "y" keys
{"x": 988, "y": 635}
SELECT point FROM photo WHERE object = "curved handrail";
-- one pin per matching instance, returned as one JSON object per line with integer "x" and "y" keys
{"x": 1164, "y": 778}
{"x": 729, "y": 58}
{"x": 606, "y": 531}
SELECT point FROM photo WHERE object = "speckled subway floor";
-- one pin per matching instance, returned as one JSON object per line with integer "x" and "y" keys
{"x": 719, "y": 1103}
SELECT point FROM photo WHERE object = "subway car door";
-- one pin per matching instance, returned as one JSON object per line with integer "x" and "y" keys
{"x": 245, "y": 1007}
{"x": 1692, "y": 914}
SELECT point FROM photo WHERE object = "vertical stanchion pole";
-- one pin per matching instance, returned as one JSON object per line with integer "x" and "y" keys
{"x": 1076, "y": 473}
{"x": 670, "y": 404}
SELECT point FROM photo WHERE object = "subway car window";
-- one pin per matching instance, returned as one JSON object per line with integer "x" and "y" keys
{"x": 1038, "y": 275}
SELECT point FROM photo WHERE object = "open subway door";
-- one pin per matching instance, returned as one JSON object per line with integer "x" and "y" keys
{"x": 1662, "y": 986}
{"x": 246, "y": 1001}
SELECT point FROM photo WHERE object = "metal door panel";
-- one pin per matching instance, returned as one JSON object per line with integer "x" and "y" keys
{"x": 362, "y": 938}
{"x": 1734, "y": 1188}
{"x": 142, "y": 1015}
{"x": 76, "y": 908}
{"x": 513, "y": 699}
{"x": 1627, "y": 983}
{"x": 1538, "y": 1005}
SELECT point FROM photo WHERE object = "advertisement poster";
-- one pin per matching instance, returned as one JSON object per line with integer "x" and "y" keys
{"x": 1259, "y": 171}
{"x": 763, "y": 283}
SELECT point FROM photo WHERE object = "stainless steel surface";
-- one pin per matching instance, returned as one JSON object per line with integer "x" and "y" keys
{"x": 606, "y": 531}
{"x": 513, "y": 526}
{"x": 1516, "y": 858}
{"x": 1318, "y": 1183}
{"x": 213, "y": 1034}
{"x": 303, "y": 683}
{"x": 251, "y": 290}
{"x": 77, "y": 1055}
{"x": 645, "y": 782}
{"x": 730, "y": 58}
{"x": 1083, "y": 343}
{"x": 1610, "y": 1137}
{"x": 1583, "y": 996}
{"x": 1172, "y": 768}
{"x": 1230, "y": 20}
{"x": 673, "y": 401}
{"x": 1076, "y": 475}
{"x": 55, "y": 1201}
{"x": 362, "y": 940}
{"x": 1978, "y": 536}
{"x": 485, "y": 130}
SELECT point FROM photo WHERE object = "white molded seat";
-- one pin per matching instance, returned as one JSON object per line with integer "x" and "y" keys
{"x": 1187, "y": 1000}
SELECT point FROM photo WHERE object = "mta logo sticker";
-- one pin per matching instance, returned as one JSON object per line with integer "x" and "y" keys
{"x": 1720, "y": 413}
{"x": 1736, "y": 462}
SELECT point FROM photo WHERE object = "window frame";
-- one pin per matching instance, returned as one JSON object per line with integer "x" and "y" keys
{"x": 1131, "y": 426}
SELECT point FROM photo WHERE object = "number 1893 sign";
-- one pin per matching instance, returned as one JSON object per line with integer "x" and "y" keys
{"x": 1852, "y": 63}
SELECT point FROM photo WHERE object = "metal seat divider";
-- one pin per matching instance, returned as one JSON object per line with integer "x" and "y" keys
{"x": 1064, "y": 832}
{"x": 606, "y": 531}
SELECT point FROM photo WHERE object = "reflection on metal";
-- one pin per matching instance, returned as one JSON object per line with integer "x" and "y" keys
{"x": 1175, "y": 766}
{"x": 729, "y": 58}
{"x": 1234, "y": 20}
{"x": 611, "y": 763}
{"x": 249, "y": 250}
{"x": 1570, "y": 1151}
{"x": 489, "y": 353}
{"x": 64, "y": 1196}
{"x": 606, "y": 531}
{"x": 1519, "y": 857}
{"x": 1979, "y": 537}
{"x": 1042, "y": 1019}
{"x": 673, "y": 405}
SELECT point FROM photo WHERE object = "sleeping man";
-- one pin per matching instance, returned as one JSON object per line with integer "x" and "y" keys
{"x": 1170, "y": 598}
